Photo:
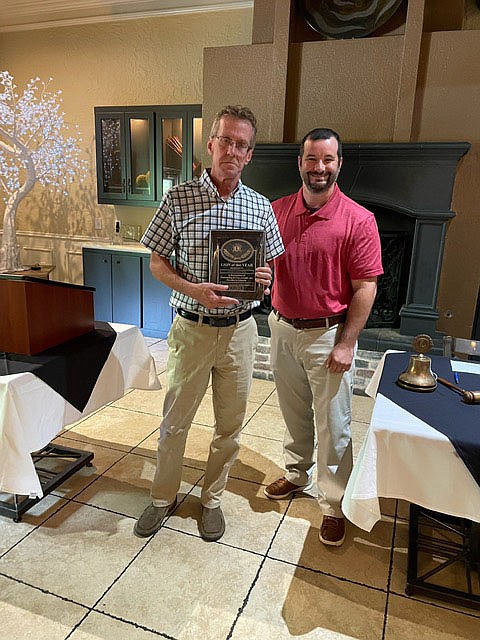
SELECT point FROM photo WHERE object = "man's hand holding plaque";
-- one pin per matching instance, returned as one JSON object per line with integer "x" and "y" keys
{"x": 237, "y": 260}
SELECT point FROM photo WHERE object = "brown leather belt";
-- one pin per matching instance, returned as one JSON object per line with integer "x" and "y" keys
{"x": 313, "y": 323}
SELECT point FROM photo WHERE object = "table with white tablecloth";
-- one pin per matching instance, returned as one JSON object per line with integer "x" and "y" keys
{"x": 32, "y": 413}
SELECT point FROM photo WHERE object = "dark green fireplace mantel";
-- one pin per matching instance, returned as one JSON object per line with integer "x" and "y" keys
{"x": 411, "y": 179}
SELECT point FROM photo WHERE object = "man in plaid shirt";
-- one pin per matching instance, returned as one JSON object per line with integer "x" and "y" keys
{"x": 212, "y": 333}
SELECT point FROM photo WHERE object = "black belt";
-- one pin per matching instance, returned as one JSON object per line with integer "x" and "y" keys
{"x": 312, "y": 323}
{"x": 215, "y": 321}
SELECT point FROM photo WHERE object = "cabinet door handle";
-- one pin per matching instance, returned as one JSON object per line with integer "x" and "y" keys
{"x": 129, "y": 185}
{"x": 123, "y": 185}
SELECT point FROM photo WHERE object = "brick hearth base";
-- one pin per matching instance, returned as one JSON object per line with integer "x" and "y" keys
{"x": 365, "y": 364}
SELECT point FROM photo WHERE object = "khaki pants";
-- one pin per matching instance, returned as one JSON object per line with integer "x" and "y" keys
{"x": 196, "y": 351}
{"x": 314, "y": 402}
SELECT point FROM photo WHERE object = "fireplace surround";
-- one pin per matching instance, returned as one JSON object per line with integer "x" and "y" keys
{"x": 408, "y": 186}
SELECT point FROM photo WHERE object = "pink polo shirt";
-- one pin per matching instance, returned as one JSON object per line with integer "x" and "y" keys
{"x": 324, "y": 252}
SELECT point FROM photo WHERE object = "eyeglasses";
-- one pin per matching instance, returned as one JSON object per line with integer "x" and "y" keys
{"x": 240, "y": 146}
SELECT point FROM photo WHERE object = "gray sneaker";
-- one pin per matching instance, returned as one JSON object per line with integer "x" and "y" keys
{"x": 212, "y": 524}
{"x": 152, "y": 518}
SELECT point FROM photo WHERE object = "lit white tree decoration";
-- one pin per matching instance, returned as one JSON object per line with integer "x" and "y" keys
{"x": 35, "y": 146}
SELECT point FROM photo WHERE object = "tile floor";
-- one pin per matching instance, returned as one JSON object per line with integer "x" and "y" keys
{"x": 73, "y": 569}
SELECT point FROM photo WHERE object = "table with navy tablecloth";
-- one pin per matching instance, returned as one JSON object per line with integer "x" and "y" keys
{"x": 422, "y": 447}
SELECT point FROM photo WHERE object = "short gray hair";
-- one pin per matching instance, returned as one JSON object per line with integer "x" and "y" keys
{"x": 235, "y": 111}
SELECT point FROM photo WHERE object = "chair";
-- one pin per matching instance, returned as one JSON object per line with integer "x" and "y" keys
{"x": 461, "y": 348}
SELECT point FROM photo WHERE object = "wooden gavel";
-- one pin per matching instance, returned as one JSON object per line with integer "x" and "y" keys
{"x": 470, "y": 397}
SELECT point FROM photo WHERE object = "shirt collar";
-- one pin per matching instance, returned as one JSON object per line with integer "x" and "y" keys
{"x": 326, "y": 212}
{"x": 207, "y": 183}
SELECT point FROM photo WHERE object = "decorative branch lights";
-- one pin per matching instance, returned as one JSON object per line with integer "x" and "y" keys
{"x": 36, "y": 145}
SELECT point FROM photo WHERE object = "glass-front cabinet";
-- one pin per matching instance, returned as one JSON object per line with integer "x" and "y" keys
{"x": 143, "y": 151}
{"x": 110, "y": 137}
{"x": 140, "y": 156}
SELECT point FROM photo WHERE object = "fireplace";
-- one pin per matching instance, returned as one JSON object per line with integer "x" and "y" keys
{"x": 408, "y": 186}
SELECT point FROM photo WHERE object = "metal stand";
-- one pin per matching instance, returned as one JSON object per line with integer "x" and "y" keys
{"x": 438, "y": 542}
{"x": 49, "y": 474}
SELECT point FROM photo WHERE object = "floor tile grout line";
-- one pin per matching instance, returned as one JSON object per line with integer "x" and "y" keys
{"x": 250, "y": 551}
{"x": 219, "y": 542}
{"x": 226, "y": 544}
{"x": 438, "y": 605}
{"x": 131, "y": 623}
{"x": 259, "y": 484}
{"x": 327, "y": 574}
{"x": 131, "y": 561}
{"x": 265, "y": 556}
{"x": 143, "y": 412}
{"x": 390, "y": 572}
{"x": 125, "y": 454}
{"x": 120, "y": 513}
{"x": 254, "y": 435}
{"x": 42, "y": 590}
{"x": 262, "y": 437}
{"x": 75, "y": 500}
{"x": 259, "y": 406}
{"x": 99, "y": 445}
{"x": 35, "y": 527}
{"x": 130, "y": 450}
{"x": 75, "y": 495}
{"x": 257, "y": 575}
{"x": 307, "y": 568}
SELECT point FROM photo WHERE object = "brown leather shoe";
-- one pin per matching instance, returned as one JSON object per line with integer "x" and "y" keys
{"x": 283, "y": 488}
{"x": 332, "y": 531}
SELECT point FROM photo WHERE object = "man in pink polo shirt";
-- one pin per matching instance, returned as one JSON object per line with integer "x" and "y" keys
{"x": 324, "y": 289}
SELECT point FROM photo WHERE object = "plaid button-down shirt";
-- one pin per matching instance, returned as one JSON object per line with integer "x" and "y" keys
{"x": 181, "y": 226}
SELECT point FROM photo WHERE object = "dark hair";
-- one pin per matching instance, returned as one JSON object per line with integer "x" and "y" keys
{"x": 321, "y": 134}
{"x": 235, "y": 111}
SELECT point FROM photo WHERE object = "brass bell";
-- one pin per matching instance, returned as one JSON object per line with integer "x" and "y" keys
{"x": 418, "y": 375}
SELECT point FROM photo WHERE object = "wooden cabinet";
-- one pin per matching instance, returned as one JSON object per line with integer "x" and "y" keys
{"x": 126, "y": 291}
{"x": 143, "y": 151}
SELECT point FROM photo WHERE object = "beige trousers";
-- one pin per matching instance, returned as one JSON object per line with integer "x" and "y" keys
{"x": 197, "y": 351}
{"x": 315, "y": 404}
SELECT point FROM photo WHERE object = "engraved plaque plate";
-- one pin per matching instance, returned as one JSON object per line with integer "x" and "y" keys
{"x": 234, "y": 255}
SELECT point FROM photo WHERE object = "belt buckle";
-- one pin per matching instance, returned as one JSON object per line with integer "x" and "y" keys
{"x": 218, "y": 322}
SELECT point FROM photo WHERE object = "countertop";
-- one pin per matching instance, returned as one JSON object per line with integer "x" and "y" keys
{"x": 129, "y": 245}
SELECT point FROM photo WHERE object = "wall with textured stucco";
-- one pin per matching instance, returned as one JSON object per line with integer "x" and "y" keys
{"x": 134, "y": 62}
{"x": 448, "y": 109}
{"x": 357, "y": 99}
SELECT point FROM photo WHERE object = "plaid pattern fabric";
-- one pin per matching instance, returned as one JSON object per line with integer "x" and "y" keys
{"x": 186, "y": 215}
